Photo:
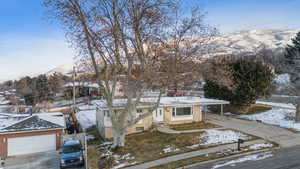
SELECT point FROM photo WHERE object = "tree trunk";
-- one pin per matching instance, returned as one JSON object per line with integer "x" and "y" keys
{"x": 297, "y": 119}
{"x": 119, "y": 138}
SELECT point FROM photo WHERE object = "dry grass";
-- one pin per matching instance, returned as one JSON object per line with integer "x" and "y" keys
{"x": 93, "y": 157}
{"x": 258, "y": 108}
{"x": 194, "y": 126}
{"x": 148, "y": 146}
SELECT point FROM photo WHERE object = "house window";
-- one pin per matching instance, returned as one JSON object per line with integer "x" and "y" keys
{"x": 182, "y": 111}
{"x": 139, "y": 128}
{"x": 139, "y": 111}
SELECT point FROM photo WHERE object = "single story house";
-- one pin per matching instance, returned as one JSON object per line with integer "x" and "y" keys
{"x": 171, "y": 110}
{"x": 30, "y": 133}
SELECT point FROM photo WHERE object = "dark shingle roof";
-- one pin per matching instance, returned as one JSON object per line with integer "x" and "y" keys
{"x": 31, "y": 123}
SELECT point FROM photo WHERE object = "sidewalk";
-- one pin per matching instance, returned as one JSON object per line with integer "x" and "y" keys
{"x": 167, "y": 130}
{"x": 192, "y": 154}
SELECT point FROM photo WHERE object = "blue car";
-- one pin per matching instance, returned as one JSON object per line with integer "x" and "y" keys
{"x": 71, "y": 154}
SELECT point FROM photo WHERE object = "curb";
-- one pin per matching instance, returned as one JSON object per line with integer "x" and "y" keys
{"x": 229, "y": 157}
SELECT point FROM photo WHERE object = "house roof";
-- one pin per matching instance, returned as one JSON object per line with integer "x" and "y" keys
{"x": 26, "y": 122}
{"x": 82, "y": 84}
{"x": 166, "y": 101}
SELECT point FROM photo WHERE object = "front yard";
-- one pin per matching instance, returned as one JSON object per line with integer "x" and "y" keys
{"x": 153, "y": 145}
{"x": 194, "y": 126}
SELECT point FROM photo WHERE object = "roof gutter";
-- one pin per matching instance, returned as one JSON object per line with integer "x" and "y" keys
{"x": 29, "y": 131}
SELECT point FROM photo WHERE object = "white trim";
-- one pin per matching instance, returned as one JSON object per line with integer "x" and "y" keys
{"x": 30, "y": 131}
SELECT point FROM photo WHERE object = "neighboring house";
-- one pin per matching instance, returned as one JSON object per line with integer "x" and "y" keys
{"x": 88, "y": 89}
{"x": 25, "y": 134}
{"x": 82, "y": 89}
{"x": 171, "y": 110}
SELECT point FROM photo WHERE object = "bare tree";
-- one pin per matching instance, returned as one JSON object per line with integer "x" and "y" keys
{"x": 129, "y": 41}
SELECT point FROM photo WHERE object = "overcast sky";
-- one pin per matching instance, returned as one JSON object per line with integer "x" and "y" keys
{"x": 29, "y": 44}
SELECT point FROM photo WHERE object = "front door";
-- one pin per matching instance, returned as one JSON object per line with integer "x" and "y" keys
{"x": 159, "y": 115}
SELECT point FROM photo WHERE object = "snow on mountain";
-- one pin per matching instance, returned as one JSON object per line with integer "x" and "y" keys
{"x": 64, "y": 69}
{"x": 242, "y": 41}
{"x": 249, "y": 40}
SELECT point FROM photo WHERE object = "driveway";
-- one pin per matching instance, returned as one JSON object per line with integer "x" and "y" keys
{"x": 46, "y": 160}
{"x": 281, "y": 136}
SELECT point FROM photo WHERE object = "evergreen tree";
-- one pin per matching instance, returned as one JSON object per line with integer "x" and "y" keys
{"x": 292, "y": 56}
{"x": 42, "y": 88}
{"x": 252, "y": 80}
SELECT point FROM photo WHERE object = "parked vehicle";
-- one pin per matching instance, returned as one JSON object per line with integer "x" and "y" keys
{"x": 72, "y": 154}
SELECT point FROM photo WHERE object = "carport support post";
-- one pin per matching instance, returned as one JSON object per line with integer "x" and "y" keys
{"x": 222, "y": 110}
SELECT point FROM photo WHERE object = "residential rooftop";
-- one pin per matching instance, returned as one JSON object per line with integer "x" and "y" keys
{"x": 25, "y": 122}
{"x": 165, "y": 101}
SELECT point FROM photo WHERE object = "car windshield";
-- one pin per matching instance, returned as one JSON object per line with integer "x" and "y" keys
{"x": 71, "y": 149}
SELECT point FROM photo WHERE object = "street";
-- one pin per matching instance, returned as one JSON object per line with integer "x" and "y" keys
{"x": 45, "y": 160}
{"x": 286, "y": 158}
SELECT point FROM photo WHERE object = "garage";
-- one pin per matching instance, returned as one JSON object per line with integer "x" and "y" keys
{"x": 27, "y": 134}
{"x": 31, "y": 144}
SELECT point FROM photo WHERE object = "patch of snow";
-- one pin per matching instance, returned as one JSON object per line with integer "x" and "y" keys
{"x": 254, "y": 157}
{"x": 285, "y": 96}
{"x": 215, "y": 137}
{"x": 87, "y": 118}
{"x": 260, "y": 146}
{"x": 280, "y": 117}
{"x": 107, "y": 143}
{"x": 3, "y": 101}
{"x": 89, "y": 137}
{"x": 279, "y": 105}
{"x": 169, "y": 149}
{"x": 10, "y": 119}
{"x": 122, "y": 165}
{"x": 126, "y": 159}
{"x": 228, "y": 113}
{"x": 86, "y": 106}
{"x": 282, "y": 80}
{"x": 56, "y": 118}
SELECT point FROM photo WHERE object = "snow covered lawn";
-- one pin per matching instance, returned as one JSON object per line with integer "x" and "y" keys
{"x": 87, "y": 118}
{"x": 254, "y": 157}
{"x": 215, "y": 137}
{"x": 279, "y": 117}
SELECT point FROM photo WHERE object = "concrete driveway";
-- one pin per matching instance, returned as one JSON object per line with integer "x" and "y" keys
{"x": 46, "y": 160}
{"x": 283, "y": 137}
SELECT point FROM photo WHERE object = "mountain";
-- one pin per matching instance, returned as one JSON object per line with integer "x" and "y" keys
{"x": 242, "y": 41}
{"x": 250, "y": 40}
{"x": 64, "y": 69}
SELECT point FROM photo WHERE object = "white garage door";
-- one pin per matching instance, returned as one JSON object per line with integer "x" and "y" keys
{"x": 31, "y": 144}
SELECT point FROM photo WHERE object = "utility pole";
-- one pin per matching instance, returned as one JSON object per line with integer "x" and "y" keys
{"x": 74, "y": 89}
